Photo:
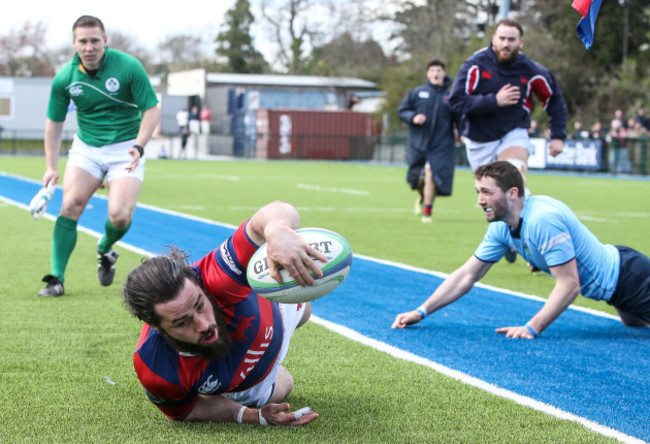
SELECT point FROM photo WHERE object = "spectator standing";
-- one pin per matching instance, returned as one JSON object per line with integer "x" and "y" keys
{"x": 183, "y": 122}
{"x": 642, "y": 119}
{"x": 597, "y": 132}
{"x": 534, "y": 129}
{"x": 195, "y": 120}
{"x": 617, "y": 140}
{"x": 205, "y": 116}
{"x": 578, "y": 132}
{"x": 620, "y": 118}
{"x": 182, "y": 118}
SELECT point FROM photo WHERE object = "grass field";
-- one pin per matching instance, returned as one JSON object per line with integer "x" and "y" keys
{"x": 60, "y": 356}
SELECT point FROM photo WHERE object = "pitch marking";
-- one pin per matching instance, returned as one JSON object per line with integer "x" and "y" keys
{"x": 303, "y": 186}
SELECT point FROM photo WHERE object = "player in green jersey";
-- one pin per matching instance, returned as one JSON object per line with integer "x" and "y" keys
{"x": 117, "y": 113}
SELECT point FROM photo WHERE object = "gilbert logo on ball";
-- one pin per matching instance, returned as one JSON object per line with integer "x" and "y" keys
{"x": 339, "y": 260}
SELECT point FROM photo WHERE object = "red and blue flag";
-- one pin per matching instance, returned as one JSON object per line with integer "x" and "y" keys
{"x": 587, "y": 25}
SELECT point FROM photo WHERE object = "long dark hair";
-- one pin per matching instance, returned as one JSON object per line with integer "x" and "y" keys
{"x": 156, "y": 281}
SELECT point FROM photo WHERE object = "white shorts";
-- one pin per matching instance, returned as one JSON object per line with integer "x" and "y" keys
{"x": 259, "y": 394}
{"x": 480, "y": 153}
{"x": 110, "y": 161}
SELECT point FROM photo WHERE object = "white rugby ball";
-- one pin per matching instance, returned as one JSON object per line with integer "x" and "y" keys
{"x": 339, "y": 260}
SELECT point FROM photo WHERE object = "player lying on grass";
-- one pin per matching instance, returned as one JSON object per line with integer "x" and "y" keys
{"x": 547, "y": 234}
{"x": 210, "y": 347}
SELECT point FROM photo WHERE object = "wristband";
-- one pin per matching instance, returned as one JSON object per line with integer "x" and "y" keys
{"x": 531, "y": 330}
{"x": 140, "y": 149}
{"x": 240, "y": 415}
{"x": 262, "y": 420}
{"x": 422, "y": 312}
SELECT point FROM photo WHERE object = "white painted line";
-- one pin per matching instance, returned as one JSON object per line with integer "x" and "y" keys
{"x": 206, "y": 176}
{"x": 303, "y": 186}
{"x": 475, "y": 382}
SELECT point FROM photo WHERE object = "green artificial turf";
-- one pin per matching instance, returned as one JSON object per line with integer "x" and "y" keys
{"x": 61, "y": 355}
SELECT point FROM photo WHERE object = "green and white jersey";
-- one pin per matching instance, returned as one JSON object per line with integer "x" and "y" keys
{"x": 109, "y": 105}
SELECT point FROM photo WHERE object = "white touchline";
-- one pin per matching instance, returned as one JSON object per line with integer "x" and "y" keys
{"x": 475, "y": 382}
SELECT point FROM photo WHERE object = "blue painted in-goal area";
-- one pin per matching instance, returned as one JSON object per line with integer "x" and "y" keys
{"x": 591, "y": 366}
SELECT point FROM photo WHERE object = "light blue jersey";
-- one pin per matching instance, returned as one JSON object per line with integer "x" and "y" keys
{"x": 550, "y": 234}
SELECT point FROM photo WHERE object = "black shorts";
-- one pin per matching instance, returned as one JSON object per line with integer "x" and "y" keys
{"x": 632, "y": 294}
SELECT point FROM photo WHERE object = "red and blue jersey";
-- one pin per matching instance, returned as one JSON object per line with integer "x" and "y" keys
{"x": 480, "y": 78}
{"x": 173, "y": 380}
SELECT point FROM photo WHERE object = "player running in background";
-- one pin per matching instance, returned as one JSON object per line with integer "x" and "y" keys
{"x": 210, "y": 347}
{"x": 494, "y": 90}
{"x": 117, "y": 112}
{"x": 546, "y": 233}
{"x": 431, "y": 139}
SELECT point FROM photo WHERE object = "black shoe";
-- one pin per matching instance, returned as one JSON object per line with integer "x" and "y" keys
{"x": 533, "y": 269}
{"x": 511, "y": 255}
{"x": 54, "y": 287}
{"x": 106, "y": 267}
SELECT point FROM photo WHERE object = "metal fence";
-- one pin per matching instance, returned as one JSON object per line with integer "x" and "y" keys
{"x": 22, "y": 141}
{"x": 618, "y": 156}
{"x": 628, "y": 156}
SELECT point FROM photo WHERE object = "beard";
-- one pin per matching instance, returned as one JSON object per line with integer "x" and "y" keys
{"x": 215, "y": 350}
{"x": 499, "y": 211}
{"x": 507, "y": 58}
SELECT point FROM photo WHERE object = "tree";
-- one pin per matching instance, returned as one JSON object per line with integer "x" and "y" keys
{"x": 597, "y": 81}
{"x": 128, "y": 43}
{"x": 293, "y": 26}
{"x": 236, "y": 43}
{"x": 23, "y": 52}
{"x": 437, "y": 28}
{"x": 442, "y": 29}
{"x": 180, "y": 52}
{"x": 346, "y": 56}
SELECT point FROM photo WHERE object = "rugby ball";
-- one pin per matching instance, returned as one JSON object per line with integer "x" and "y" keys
{"x": 339, "y": 259}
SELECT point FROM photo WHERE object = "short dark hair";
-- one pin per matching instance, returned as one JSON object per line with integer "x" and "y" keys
{"x": 88, "y": 21}
{"x": 436, "y": 62}
{"x": 505, "y": 174}
{"x": 156, "y": 281}
{"x": 510, "y": 22}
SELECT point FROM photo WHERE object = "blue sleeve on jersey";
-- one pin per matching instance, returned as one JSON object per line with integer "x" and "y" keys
{"x": 553, "y": 240}
{"x": 495, "y": 243}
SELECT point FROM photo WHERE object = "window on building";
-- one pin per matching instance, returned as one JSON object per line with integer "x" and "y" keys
{"x": 6, "y": 107}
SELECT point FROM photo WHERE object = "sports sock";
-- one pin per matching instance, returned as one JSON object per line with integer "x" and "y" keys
{"x": 427, "y": 210}
{"x": 111, "y": 236}
{"x": 64, "y": 240}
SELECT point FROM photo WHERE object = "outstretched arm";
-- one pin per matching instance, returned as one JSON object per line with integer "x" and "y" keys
{"x": 565, "y": 291}
{"x": 275, "y": 224}
{"x": 453, "y": 288}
